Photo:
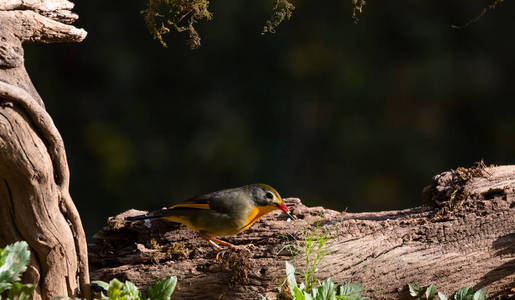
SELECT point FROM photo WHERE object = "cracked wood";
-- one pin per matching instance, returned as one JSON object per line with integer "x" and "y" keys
{"x": 471, "y": 243}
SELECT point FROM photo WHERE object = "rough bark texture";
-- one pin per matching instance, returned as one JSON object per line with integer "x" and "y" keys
{"x": 465, "y": 237}
{"x": 35, "y": 204}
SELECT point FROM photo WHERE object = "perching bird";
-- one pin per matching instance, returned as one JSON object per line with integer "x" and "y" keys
{"x": 225, "y": 212}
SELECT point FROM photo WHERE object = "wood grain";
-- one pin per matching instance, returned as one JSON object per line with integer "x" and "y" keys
{"x": 471, "y": 242}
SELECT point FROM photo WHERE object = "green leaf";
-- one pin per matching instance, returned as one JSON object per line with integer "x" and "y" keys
{"x": 462, "y": 293}
{"x": 430, "y": 292}
{"x": 114, "y": 290}
{"x": 290, "y": 277}
{"x": 479, "y": 295}
{"x": 298, "y": 294}
{"x": 130, "y": 291}
{"x": 13, "y": 261}
{"x": 314, "y": 292}
{"x": 442, "y": 296}
{"x": 350, "y": 289}
{"x": 101, "y": 284}
{"x": 415, "y": 290}
{"x": 163, "y": 289}
{"x": 20, "y": 291}
{"x": 326, "y": 291}
{"x": 4, "y": 286}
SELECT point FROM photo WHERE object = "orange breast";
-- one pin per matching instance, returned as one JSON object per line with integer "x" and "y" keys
{"x": 256, "y": 213}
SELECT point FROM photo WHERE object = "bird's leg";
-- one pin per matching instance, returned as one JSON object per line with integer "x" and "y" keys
{"x": 233, "y": 247}
{"x": 223, "y": 243}
{"x": 211, "y": 241}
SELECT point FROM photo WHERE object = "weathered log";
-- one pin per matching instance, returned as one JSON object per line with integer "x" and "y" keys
{"x": 35, "y": 204}
{"x": 466, "y": 237}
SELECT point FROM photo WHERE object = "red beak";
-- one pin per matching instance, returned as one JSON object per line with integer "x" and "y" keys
{"x": 285, "y": 209}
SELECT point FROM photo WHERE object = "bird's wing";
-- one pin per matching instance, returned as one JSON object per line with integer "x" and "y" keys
{"x": 200, "y": 202}
{"x": 219, "y": 202}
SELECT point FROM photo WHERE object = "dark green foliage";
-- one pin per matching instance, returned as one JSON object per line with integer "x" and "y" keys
{"x": 116, "y": 290}
{"x": 20, "y": 291}
{"x": 326, "y": 290}
{"x": 429, "y": 292}
{"x": 163, "y": 289}
{"x": 13, "y": 262}
{"x": 350, "y": 291}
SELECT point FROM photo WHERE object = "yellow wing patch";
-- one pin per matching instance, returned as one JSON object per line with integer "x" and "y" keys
{"x": 184, "y": 221}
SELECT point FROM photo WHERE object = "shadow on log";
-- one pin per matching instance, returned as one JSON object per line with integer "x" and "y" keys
{"x": 464, "y": 236}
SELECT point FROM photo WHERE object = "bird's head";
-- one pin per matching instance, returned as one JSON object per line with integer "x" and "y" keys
{"x": 265, "y": 195}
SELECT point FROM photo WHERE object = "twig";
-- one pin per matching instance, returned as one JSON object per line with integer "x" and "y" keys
{"x": 483, "y": 12}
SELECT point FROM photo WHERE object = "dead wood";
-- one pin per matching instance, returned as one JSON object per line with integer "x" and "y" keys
{"x": 468, "y": 238}
{"x": 35, "y": 204}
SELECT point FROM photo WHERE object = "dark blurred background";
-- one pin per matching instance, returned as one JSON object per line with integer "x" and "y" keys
{"x": 356, "y": 117}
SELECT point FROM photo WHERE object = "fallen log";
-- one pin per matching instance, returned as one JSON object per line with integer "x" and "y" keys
{"x": 463, "y": 236}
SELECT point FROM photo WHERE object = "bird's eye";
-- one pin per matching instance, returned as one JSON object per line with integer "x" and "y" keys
{"x": 269, "y": 195}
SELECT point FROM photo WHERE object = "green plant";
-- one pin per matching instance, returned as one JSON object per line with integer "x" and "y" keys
{"x": 313, "y": 246}
{"x": 13, "y": 262}
{"x": 313, "y": 243}
{"x": 326, "y": 290}
{"x": 15, "y": 257}
{"x": 429, "y": 292}
{"x": 116, "y": 290}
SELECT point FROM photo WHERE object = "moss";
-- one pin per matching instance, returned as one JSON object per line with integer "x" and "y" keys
{"x": 237, "y": 263}
{"x": 176, "y": 251}
{"x": 285, "y": 293}
{"x": 162, "y": 16}
{"x": 114, "y": 224}
{"x": 154, "y": 255}
{"x": 453, "y": 195}
{"x": 357, "y": 8}
{"x": 282, "y": 10}
{"x": 153, "y": 244}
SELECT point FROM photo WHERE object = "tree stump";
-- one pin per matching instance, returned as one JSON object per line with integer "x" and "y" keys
{"x": 35, "y": 204}
{"x": 464, "y": 236}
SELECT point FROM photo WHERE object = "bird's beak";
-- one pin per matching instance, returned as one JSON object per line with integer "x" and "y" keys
{"x": 285, "y": 209}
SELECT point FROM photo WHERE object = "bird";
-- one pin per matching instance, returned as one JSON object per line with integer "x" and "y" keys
{"x": 222, "y": 213}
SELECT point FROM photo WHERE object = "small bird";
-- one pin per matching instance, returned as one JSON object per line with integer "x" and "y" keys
{"x": 221, "y": 213}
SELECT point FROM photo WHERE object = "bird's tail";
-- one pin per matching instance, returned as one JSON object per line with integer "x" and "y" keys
{"x": 151, "y": 215}
{"x": 140, "y": 217}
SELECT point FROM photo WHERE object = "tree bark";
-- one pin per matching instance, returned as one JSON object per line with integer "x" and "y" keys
{"x": 35, "y": 204}
{"x": 464, "y": 236}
